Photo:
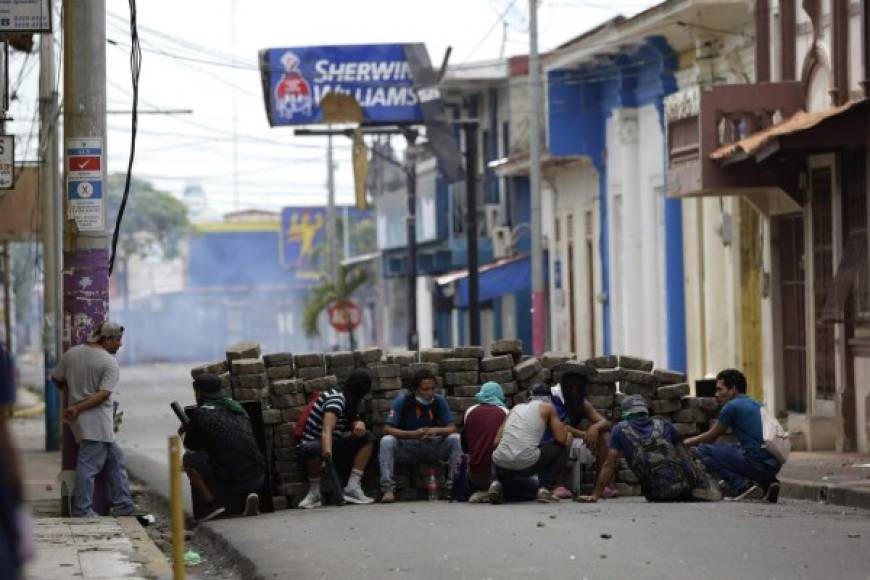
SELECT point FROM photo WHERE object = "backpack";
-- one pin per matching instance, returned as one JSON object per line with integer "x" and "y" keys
{"x": 299, "y": 427}
{"x": 775, "y": 439}
{"x": 658, "y": 465}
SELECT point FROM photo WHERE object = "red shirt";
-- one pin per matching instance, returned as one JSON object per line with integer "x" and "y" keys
{"x": 481, "y": 425}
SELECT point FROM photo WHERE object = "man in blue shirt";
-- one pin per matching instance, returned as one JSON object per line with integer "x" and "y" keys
{"x": 747, "y": 470}
{"x": 419, "y": 429}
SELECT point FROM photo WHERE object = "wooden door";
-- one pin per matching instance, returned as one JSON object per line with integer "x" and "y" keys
{"x": 792, "y": 288}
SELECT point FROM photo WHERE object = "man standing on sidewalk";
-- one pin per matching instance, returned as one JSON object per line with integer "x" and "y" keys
{"x": 91, "y": 373}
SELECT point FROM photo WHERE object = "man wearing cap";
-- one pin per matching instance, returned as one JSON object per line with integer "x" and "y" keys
{"x": 655, "y": 452}
{"x": 223, "y": 459}
{"x": 90, "y": 373}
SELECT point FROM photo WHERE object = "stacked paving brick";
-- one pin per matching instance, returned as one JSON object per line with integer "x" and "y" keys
{"x": 284, "y": 383}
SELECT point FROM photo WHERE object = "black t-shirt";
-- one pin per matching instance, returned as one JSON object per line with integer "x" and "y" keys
{"x": 229, "y": 441}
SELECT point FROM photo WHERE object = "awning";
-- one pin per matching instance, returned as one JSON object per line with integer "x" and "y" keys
{"x": 504, "y": 276}
{"x": 800, "y": 131}
{"x": 519, "y": 164}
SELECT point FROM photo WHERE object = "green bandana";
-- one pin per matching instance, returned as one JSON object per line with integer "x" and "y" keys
{"x": 226, "y": 403}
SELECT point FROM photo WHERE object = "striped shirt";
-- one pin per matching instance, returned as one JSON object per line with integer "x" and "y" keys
{"x": 332, "y": 400}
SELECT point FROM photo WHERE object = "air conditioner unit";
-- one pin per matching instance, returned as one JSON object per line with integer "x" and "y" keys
{"x": 494, "y": 217}
{"x": 502, "y": 242}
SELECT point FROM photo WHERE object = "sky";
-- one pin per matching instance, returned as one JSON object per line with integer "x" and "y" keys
{"x": 201, "y": 55}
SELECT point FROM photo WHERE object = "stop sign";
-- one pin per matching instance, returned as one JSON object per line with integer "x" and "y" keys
{"x": 344, "y": 316}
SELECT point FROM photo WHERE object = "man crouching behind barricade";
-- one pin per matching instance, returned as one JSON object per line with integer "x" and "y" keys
{"x": 657, "y": 456}
{"x": 222, "y": 460}
{"x": 334, "y": 437}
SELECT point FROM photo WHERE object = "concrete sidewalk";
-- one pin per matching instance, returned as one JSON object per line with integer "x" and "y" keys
{"x": 66, "y": 548}
{"x": 828, "y": 477}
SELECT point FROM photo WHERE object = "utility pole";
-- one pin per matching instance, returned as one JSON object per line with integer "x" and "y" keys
{"x": 7, "y": 303}
{"x": 539, "y": 297}
{"x": 331, "y": 236}
{"x": 411, "y": 220}
{"x": 49, "y": 187}
{"x": 86, "y": 255}
{"x": 470, "y": 128}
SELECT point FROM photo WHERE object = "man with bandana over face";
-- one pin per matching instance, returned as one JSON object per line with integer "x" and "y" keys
{"x": 419, "y": 429}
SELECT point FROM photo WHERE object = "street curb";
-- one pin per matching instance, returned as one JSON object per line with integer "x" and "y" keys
{"x": 835, "y": 494}
{"x": 210, "y": 536}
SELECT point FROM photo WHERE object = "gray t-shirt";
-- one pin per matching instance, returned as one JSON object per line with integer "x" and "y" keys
{"x": 86, "y": 370}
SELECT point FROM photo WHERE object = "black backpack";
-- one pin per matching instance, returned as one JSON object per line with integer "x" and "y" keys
{"x": 658, "y": 465}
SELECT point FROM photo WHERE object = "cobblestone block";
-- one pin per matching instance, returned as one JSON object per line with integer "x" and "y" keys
{"x": 249, "y": 382}
{"x": 293, "y": 489}
{"x": 414, "y": 368}
{"x": 664, "y": 406}
{"x": 527, "y": 369}
{"x": 368, "y": 356}
{"x": 243, "y": 350}
{"x": 690, "y": 416}
{"x": 603, "y": 362}
{"x": 604, "y": 376}
{"x": 280, "y": 372}
{"x": 342, "y": 373}
{"x": 287, "y": 401}
{"x": 452, "y": 365}
{"x": 271, "y": 416}
{"x": 278, "y": 359}
{"x": 339, "y": 359}
{"x": 601, "y": 401}
{"x": 687, "y": 429}
{"x": 461, "y": 404}
{"x": 313, "y": 359}
{"x": 387, "y": 384}
{"x": 247, "y": 366}
{"x": 512, "y": 347}
{"x": 497, "y": 363}
{"x": 553, "y": 358}
{"x": 286, "y": 387}
{"x": 466, "y": 391}
{"x": 461, "y": 378}
{"x": 310, "y": 372}
{"x": 500, "y": 377}
{"x": 468, "y": 352}
{"x": 635, "y": 363}
{"x": 667, "y": 377}
{"x": 647, "y": 391}
{"x": 510, "y": 388}
{"x": 247, "y": 394}
{"x": 320, "y": 384}
{"x": 216, "y": 368}
{"x": 435, "y": 355}
{"x": 594, "y": 389}
{"x": 401, "y": 357}
{"x": 708, "y": 404}
{"x": 642, "y": 377}
{"x": 387, "y": 371}
{"x": 673, "y": 391}
{"x": 292, "y": 414}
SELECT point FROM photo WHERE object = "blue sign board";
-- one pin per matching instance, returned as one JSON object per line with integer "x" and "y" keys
{"x": 303, "y": 237}
{"x": 378, "y": 76}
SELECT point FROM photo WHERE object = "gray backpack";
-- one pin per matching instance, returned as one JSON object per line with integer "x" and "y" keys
{"x": 658, "y": 465}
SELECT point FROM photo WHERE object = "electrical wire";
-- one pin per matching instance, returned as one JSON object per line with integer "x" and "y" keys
{"x": 135, "y": 69}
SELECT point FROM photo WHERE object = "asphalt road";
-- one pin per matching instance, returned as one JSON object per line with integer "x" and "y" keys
{"x": 625, "y": 538}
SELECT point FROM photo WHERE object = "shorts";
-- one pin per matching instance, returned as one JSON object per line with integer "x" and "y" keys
{"x": 581, "y": 453}
{"x": 344, "y": 449}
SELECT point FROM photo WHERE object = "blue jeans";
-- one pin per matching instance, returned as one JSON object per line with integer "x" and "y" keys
{"x": 418, "y": 451}
{"x": 729, "y": 463}
{"x": 93, "y": 455}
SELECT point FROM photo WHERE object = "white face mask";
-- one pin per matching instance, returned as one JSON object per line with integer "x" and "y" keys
{"x": 423, "y": 401}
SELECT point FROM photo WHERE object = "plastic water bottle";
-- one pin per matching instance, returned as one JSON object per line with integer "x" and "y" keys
{"x": 432, "y": 485}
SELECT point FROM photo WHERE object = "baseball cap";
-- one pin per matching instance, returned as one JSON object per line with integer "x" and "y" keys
{"x": 108, "y": 329}
{"x": 634, "y": 404}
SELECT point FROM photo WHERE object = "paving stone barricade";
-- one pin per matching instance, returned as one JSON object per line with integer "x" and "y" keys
{"x": 284, "y": 382}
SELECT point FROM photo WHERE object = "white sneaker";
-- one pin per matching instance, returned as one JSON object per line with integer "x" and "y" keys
{"x": 311, "y": 500}
{"x": 355, "y": 494}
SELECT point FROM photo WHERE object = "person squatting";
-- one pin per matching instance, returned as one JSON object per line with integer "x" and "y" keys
{"x": 525, "y": 453}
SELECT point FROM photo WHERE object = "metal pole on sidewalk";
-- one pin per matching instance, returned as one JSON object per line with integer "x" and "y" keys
{"x": 331, "y": 237}
{"x": 470, "y": 128}
{"x": 539, "y": 297}
{"x": 411, "y": 174}
{"x": 176, "y": 514}
{"x": 51, "y": 237}
{"x": 85, "y": 255}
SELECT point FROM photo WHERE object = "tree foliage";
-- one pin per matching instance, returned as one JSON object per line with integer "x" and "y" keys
{"x": 154, "y": 221}
{"x": 350, "y": 279}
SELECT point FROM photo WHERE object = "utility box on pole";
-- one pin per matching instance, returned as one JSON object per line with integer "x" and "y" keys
{"x": 85, "y": 240}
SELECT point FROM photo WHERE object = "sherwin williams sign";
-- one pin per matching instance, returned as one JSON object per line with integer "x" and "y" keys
{"x": 378, "y": 76}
